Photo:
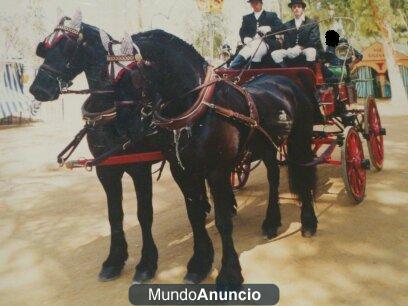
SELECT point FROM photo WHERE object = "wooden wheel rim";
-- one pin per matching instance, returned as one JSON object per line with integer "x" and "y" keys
{"x": 352, "y": 157}
{"x": 375, "y": 140}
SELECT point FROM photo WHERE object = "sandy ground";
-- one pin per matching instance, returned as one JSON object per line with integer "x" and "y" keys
{"x": 54, "y": 233}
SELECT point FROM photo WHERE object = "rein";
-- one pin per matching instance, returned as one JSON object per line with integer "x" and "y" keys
{"x": 85, "y": 91}
{"x": 203, "y": 103}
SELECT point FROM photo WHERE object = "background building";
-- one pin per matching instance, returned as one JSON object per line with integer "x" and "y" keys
{"x": 372, "y": 71}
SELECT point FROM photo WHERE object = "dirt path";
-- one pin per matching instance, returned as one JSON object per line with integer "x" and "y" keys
{"x": 54, "y": 233}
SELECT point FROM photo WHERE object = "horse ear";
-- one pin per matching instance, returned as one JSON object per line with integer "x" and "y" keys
{"x": 127, "y": 44}
{"x": 105, "y": 39}
{"x": 76, "y": 20}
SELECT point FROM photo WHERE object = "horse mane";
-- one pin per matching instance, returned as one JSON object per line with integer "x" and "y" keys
{"x": 180, "y": 66}
{"x": 172, "y": 42}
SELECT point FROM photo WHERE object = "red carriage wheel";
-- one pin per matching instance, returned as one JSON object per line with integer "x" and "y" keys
{"x": 354, "y": 165}
{"x": 374, "y": 133}
{"x": 240, "y": 175}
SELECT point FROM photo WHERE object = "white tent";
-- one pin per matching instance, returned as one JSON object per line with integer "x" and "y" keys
{"x": 13, "y": 101}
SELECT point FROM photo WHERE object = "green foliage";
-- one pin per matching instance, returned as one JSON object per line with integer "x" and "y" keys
{"x": 212, "y": 26}
{"x": 392, "y": 12}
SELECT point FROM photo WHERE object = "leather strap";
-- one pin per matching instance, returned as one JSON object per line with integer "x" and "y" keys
{"x": 99, "y": 117}
{"x": 67, "y": 29}
{"x": 195, "y": 111}
{"x": 202, "y": 104}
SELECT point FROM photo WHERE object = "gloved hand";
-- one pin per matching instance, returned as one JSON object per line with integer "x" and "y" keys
{"x": 294, "y": 52}
{"x": 247, "y": 40}
{"x": 264, "y": 29}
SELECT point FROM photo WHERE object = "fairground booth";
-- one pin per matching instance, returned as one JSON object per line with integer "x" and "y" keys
{"x": 16, "y": 106}
{"x": 372, "y": 71}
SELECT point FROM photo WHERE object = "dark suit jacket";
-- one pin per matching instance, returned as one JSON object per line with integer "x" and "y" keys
{"x": 308, "y": 36}
{"x": 250, "y": 25}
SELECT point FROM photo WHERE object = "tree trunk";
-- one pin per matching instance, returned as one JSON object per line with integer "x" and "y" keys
{"x": 399, "y": 95}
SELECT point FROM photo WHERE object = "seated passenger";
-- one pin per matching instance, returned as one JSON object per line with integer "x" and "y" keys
{"x": 254, "y": 26}
{"x": 302, "y": 39}
{"x": 350, "y": 57}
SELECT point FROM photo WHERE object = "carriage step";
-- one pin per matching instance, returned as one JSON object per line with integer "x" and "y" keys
{"x": 366, "y": 164}
{"x": 340, "y": 140}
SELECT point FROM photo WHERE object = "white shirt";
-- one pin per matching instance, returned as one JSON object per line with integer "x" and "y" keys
{"x": 258, "y": 14}
{"x": 299, "y": 21}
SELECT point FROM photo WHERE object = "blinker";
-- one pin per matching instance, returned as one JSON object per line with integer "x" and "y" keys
{"x": 41, "y": 50}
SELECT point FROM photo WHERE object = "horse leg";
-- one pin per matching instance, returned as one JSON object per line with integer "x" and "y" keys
{"x": 111, "y": 180}
{"x": 273, "y": 216}
{"x": 302, "y": 180}
{"x": 193, "y": 189}
{"x": 142, "y": 180}
{"x": 230, "y": 276}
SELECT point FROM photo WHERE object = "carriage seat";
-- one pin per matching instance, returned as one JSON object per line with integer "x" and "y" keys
{"x": 267, "y": 62}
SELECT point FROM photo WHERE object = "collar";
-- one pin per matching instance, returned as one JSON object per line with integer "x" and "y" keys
{"x": 258, "y": 14}
{"x": 301, "y": 18}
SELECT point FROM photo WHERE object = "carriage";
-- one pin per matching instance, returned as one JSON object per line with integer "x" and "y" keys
{"x": 345, "y": 124}
{"x": 48, "y": 86}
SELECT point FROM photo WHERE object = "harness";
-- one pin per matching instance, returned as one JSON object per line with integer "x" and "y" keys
{"x": 203, "y": 104}
{"x": 101, "y": 118}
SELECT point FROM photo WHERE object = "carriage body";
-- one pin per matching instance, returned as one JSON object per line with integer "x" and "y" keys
{"x": 346, "y": 124}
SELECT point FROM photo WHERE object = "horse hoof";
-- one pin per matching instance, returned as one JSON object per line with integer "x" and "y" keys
{"x": 194, "y": 278}
{"x": 308, "y": 232}
{"x": 231, "y": 281}
{"x": 142, "y": 276}
{"x": 228, "y": 287}
{"x": 110, "y": 273}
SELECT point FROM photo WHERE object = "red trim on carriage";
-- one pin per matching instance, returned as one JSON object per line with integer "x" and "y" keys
{"x": 132, "y": 158}
{"x": 294, "y": 73}
{"x": 118, "y": 160}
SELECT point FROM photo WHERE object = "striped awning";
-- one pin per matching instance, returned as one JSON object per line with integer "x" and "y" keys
{"x": 13, "y": 101}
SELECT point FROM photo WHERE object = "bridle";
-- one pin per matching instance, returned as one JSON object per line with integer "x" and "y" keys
{"x": 72, "y": 36}
{"x": 137, "y": 63}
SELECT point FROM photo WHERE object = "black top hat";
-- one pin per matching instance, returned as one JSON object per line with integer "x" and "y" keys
{"x": 249, "y": 1}
{"x": 293, "y": 2}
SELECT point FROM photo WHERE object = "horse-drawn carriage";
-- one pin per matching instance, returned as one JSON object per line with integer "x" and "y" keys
{"x": 344, "y": 122}
{"x": 213, "y": 156}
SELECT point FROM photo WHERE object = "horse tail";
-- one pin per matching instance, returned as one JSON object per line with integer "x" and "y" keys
{"x": 302, "y": 178}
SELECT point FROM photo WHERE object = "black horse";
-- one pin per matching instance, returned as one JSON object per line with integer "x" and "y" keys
{"x": 209, "y": 148}
{"x": 66, "y": 54}
{"x": 175, "y": 68}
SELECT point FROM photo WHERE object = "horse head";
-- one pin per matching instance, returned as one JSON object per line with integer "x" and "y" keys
{"x": 73, "y": 47}
{"x": 169, "y": 68}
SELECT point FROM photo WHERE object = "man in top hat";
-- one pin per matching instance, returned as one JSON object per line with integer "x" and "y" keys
{"x": 254, "y": 26}
{"x": 302, "y": 37}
